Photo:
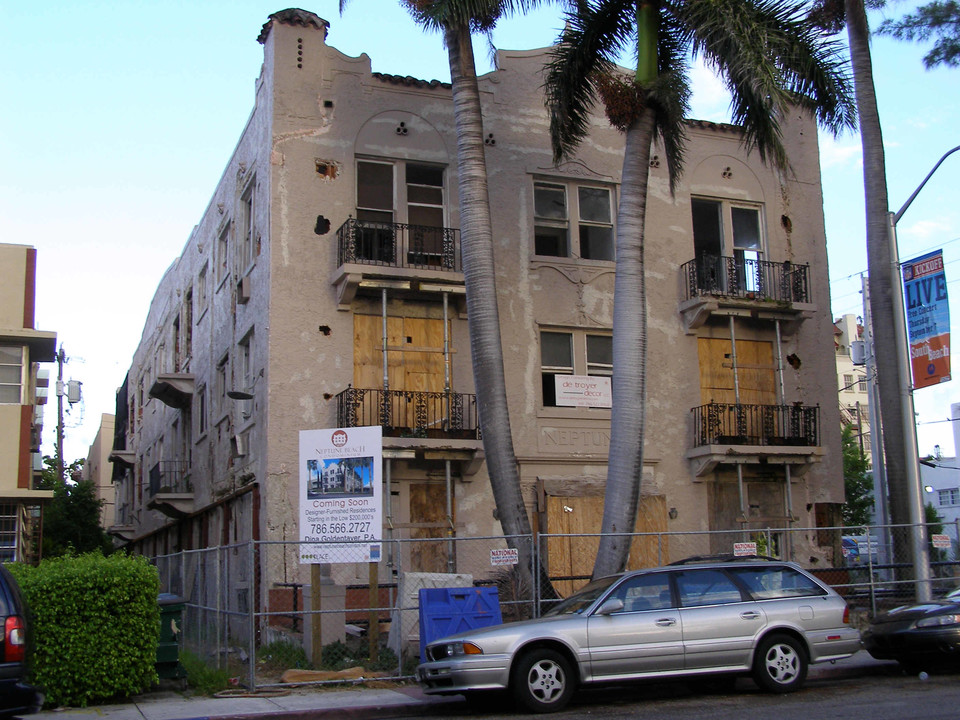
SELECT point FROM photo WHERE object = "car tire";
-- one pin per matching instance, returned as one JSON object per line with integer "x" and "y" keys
{"x": 542, "y": 680}
{"x": 780, "y": 664}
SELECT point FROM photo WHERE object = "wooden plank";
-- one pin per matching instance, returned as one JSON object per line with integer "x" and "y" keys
{"x": 428, "y": 505}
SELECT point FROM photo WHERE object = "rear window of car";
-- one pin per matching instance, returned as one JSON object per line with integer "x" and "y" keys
{"x": 771, "y": 583}
{"x": 706, "y": 587}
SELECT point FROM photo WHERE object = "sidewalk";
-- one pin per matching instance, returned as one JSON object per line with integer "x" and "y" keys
{"x": 360, "y": 703}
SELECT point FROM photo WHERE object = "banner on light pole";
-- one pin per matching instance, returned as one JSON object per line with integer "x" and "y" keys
{"x": 928, "y": 319}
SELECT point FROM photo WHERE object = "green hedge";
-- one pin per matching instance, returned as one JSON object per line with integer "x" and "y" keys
{"x": 96, "y": 624}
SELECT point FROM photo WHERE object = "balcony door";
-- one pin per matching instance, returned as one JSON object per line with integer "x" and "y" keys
{"x": 756, "y": 378}
{"x": 415, "y": 364}
{"x": 721, "y": 228}
{"x": 404, "y": 217}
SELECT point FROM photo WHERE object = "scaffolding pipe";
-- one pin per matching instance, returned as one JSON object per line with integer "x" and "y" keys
{"x": 736, "y": 397}
{"x": 383, "y": 310}
{"x": 451, "y": 530}
{"x": 388, "y": 508}
{"x": 788, "y": 477}
{"x": 446, "y": 360}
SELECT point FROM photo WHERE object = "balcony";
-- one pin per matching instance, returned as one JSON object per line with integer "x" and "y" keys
{"x": 123, "y": 527}
{"x": 411, "y": 258}
{"x": 723, "y": 286}
{"x": 174, "y": 390}
{"x": 171, "y": 491}
{"x": 755, "y": 434}
{"x": 424, "y": 425}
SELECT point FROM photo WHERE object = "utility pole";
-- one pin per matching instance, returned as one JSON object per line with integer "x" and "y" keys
{"x": 61, "y": 391}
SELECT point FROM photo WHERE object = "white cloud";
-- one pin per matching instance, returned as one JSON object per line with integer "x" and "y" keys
{"x": 845, "y": 152}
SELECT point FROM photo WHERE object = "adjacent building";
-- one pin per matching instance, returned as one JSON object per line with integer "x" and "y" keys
{"x": 323, "y": 288}
{"x": 23, "y": 391}
{"x": 852, "y": 380}
{"x": 98, "y": 470}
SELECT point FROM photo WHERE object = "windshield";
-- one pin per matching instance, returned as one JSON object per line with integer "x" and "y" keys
{"x": 580, "y": 601}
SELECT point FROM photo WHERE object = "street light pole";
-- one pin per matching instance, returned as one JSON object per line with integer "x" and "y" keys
{"x": 921, "y": 560}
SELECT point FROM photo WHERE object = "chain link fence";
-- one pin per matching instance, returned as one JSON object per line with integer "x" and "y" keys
{"x": 254, "y": 610}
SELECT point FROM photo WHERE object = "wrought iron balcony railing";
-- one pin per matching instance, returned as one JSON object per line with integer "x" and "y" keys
{"x": 170, "y": 476}
{"x": 399, "y": 245}
{"x": 745, "y": 278}
{"x": 407, "y": 413}
{"x": 729, "y": 424}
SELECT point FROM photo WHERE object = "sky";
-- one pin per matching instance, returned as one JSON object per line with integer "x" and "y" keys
{"x": 120, "y": 117}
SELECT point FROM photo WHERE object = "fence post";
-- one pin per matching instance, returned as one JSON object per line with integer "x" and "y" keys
{"x": 873, "y": 589}
{"x": 252, "y": 604}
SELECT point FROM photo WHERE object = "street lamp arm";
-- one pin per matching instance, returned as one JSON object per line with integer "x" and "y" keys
{"x": 896, "y": 218}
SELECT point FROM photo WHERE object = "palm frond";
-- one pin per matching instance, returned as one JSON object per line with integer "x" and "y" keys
{"x": 671, "y": 96}
{"x": 596, "y": 32}
{"x": 770, "y": 56}
{"x": 479, "y": 15}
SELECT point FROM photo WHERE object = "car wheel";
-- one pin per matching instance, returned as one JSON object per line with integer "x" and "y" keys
{"x": 542, "y": 681}
{"x": 780, "y": 664}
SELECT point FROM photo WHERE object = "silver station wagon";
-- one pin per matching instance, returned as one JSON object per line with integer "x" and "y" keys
{"x": 766, "y": 618}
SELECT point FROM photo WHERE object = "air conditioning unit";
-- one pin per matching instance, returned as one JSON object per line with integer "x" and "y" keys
{"x": 243, "y": 290}
{"x": 238, "y": 446}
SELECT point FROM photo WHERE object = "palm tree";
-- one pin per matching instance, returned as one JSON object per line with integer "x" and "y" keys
{"x": 771, "y": 58}
{"x": 456, "y": 19}
{"x": 832, "y": 16}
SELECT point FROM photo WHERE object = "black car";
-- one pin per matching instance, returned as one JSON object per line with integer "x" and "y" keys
{"x": 920, "y": 637}
{"x": 16, "y": 697}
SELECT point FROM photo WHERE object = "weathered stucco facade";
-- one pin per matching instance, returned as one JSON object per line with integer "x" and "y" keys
{"x": 23, "y": 391}
{"x": 330, "y": 244}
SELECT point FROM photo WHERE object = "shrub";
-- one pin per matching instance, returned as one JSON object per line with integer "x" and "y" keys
{"x": 96, "y": 625}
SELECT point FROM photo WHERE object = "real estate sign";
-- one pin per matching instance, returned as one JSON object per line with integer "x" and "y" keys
{"x": 583, "y": 391}
{"x": 928, "y": 319}
{"x": 341, "y": 503}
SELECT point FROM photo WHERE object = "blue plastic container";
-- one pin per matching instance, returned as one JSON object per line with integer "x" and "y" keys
{"x": 445, "y": 611}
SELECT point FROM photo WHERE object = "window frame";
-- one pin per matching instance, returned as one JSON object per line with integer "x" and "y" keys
{"x": 19, "y": 365}
{"x": 581, "y": 365}
{"x": 952, "y": 495}
{"x": 246, "y": 250}
{"x": 572, "y": 224}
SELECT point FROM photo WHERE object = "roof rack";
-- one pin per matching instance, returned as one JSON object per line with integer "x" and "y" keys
{"x": 725, "y": 557}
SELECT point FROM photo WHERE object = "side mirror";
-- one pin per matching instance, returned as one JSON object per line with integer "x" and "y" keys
{"x": 611, "y": 606}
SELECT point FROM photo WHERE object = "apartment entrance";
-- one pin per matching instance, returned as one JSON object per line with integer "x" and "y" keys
{"x": 570, "y": 559}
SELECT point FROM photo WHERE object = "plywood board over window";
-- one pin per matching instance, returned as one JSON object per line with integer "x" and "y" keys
{"x": 755, "y": 371}
{"x": 570, "y": 560}
{"x": 415, "y": 359}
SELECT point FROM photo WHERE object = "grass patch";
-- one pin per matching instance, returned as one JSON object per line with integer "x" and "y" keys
{"x": 204, "y": 679}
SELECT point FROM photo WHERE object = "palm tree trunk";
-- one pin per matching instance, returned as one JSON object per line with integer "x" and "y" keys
{"x": 625, "y": 464}
{"x": 479, "y": 273}
{"x": 878, "y": 265}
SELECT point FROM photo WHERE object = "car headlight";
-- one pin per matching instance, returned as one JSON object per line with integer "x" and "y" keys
{"x": 939, "y": 621}
{"x": 454, "y": 649}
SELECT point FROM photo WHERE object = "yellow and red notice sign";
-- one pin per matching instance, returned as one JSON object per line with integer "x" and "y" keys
{"x": 928, "y": 319}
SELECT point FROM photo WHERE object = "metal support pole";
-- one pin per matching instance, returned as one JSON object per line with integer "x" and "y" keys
{"x": 881, "y": 510}
{"x": 736, "y": 397}
{"x": 451, "y": 529}
{"x": 447, "y": 424}
{"x": 921, "y": 561}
